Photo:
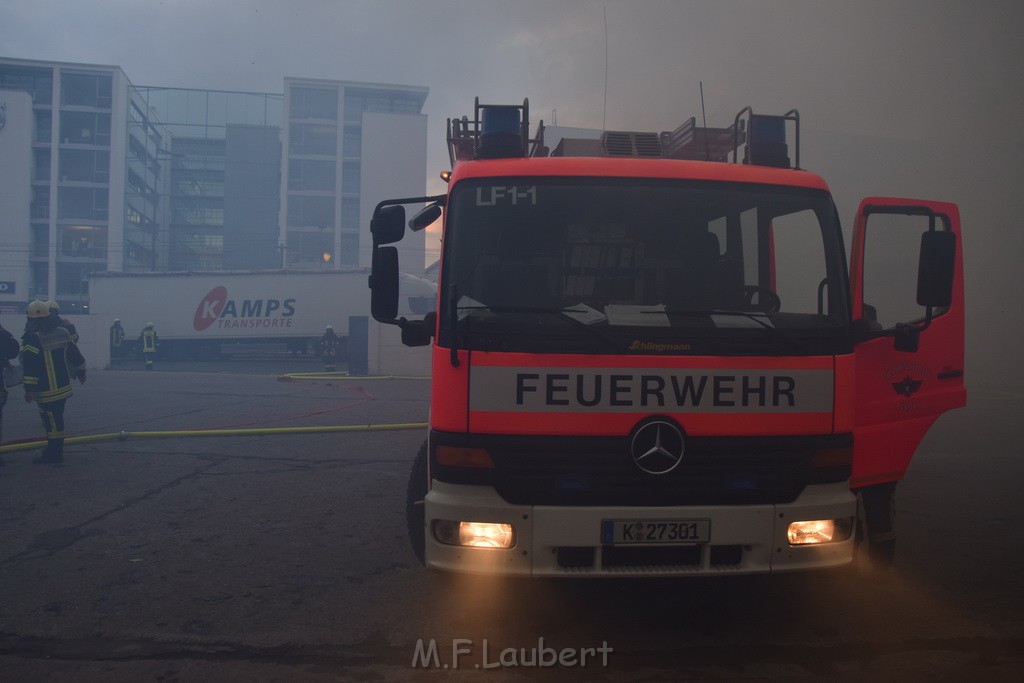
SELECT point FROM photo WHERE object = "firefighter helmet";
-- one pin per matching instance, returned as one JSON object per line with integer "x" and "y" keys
{"x": 149, "y": 326}
{"x": 38, "y": 309}
{"x": 117, "y": 320}
{"x": 52, "y": 306}
{"x": 330, "y": 327}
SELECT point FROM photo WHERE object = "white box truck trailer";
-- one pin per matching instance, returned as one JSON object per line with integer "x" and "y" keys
{"x": 205, "y": 314}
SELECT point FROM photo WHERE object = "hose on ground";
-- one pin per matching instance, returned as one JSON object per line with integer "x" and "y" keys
{"x": 124, "y": 435}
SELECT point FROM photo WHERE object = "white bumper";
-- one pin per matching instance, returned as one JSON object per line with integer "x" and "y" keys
{"x": 566, "y": 541}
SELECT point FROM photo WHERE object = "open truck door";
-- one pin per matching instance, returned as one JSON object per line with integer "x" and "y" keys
{"x": 909, "y": 330}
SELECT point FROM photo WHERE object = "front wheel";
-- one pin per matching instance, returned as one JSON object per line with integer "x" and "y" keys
{"x": 415, "y": 517}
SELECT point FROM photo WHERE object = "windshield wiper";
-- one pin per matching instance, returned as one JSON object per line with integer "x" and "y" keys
{"x": 519, "y": 309}
{"x": 559, "y": 312}
{"x": 759, "y": 319}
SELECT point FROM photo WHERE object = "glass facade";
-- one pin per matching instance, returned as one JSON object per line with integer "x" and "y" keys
{"x": 81, "y": 108}
{"x": 198, "y": 217}
{"x": 315, "y": 192}
{"x": 140, "y": 178}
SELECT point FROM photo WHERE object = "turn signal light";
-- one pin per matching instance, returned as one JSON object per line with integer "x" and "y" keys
{"x": 454, "y": 456}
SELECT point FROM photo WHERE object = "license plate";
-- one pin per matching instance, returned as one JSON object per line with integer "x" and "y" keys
{"x": 677, "y": 531}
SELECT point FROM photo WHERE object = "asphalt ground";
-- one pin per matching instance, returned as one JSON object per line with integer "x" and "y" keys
{"x": 284, "y": 557}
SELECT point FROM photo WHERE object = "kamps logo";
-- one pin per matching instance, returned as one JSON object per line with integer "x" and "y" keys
{"x": 217, "y": 308}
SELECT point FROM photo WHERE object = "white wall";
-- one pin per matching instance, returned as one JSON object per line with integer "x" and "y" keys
{"x": 388, "y": 356}
{"x": 16, "y": 165}
{"x": 118, "y": 153}
{"x": 394, "y": 162}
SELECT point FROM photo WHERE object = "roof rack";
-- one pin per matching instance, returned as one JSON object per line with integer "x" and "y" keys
{"x": 690, "y": 141}
{"x": 502, "y": 131}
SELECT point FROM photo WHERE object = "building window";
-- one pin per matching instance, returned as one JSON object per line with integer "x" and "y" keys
{"x": 349, "y": 248}
{"x": 352, "y": 142}
{"x": 37, "y": 82}
{"x": 350, "y": 213}
{"x": 40, "y": 241}
{"x": 42, "y": 165}
{"x": 314, "y": 103}
{"x": 39, "y": 285}
{"x": 44, "y": 126}
{"x": 73, "y": 278}
{"x": 350, "y": 177}
{"x": 310, "y": 211}
{"x": 85, "y": 128}
{"x": 356, "y": 102}
{"x": 86, "y": 90}
{"x": 40, "y": 208}
{"x": 313, "y": 139}
{"x": 307, "y": 248}
{"x": 85, "y": 165}
{"x": 135, "y": 113}
{"x": 197, "y": 251}
{"x": 82, "y": 203}
{"x": 83, "y": 241}
{"x": 309, "y": 174}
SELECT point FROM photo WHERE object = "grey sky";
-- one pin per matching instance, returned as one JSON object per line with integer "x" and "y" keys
{"x": 906, "y": 98}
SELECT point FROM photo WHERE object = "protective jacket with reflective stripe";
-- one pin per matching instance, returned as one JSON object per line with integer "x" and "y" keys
{"x": 50, "y": 360}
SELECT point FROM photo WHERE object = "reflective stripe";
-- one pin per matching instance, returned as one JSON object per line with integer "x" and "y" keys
{"x": 518, "y": 389}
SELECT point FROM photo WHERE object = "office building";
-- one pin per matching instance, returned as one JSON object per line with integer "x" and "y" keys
{"x": 98, "y": 174}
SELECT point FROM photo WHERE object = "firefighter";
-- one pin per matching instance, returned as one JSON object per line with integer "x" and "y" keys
{"x": 63, "y": 322}
{"x": 9, "y": 349}
{"x": 50, "y": 359}
{"x": 116, "y": 339}
{"x": 328, "y": 347}
{"x": 148, "y": 342}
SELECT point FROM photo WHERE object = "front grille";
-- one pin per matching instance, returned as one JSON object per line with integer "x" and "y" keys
{"x": 588, "y": 471}
{"x": 620, "y": 557}
{"x": 649, "y": 559}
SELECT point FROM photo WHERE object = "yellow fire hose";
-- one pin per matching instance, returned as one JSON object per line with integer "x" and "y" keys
{"x": 263, "y": 431}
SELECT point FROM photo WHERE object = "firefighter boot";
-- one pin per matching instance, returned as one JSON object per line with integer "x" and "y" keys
{"x": 53, "y": 454}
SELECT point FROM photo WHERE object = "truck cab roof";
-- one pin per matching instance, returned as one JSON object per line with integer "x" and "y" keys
{"x": 635, "y": 168}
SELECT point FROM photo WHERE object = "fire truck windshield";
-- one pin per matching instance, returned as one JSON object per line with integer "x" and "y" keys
{"x": 596, "y": 265}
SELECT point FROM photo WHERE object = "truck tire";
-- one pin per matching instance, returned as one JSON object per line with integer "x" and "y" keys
{"x": 414, "y": 495}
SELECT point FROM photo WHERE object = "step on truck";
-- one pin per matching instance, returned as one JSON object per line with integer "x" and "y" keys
{"x": 650, "y": 355}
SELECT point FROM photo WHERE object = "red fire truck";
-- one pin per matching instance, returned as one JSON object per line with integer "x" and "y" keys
{"x": 651, "y": 356}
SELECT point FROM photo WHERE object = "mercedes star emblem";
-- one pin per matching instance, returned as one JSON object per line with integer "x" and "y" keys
{"x": 657, "y": 447}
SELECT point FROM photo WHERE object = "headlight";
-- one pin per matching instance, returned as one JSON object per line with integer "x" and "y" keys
{"x": 474, "y": 534}
{"x": 819, "y": 531}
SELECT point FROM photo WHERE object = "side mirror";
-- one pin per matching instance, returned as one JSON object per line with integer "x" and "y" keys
{"x": 424, "y": 217}
{"x": 419, "y": 332}
{"x": 384, "y": 284}
{"x": 388, "y": 224}
{"x": 935, "y": 269}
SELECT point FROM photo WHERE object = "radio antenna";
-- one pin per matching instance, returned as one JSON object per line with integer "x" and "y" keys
{"x": 704, "y": 115}
{"x": 604, "y": 110}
